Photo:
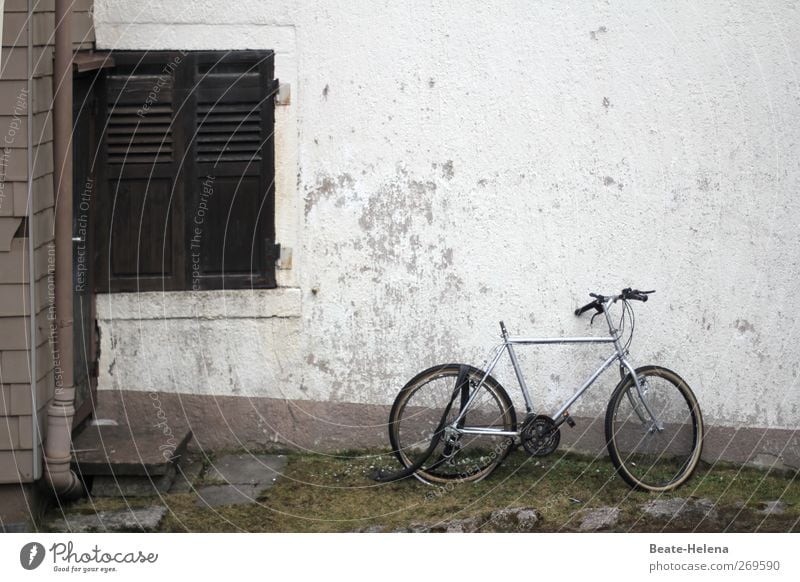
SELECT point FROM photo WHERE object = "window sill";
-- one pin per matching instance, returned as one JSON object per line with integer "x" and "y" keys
{"x": 218, "y": 304}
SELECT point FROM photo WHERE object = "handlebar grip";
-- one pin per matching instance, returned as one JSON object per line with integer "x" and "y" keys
{"x": 635, "y": 294}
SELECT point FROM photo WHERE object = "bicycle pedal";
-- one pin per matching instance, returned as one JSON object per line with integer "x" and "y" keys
{"x": 568, "y": 420}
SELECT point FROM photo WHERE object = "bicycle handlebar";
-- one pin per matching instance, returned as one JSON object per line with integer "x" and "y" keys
{"x": 635, "y": 294}
{"x": 593, "y": 305}
{"x": 627, "y": 294}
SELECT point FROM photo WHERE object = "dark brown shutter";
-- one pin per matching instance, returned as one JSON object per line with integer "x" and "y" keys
{"x": 136, "y": 135}
{"x": 232, "y": 203}
{"x": 188, "y": 178}
{"x": 141, "y": 228}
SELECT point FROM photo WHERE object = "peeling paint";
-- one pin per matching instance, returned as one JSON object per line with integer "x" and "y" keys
{"x": 447, "y": 257}
{"x": 447, "y": 170}
{"x": 704, "y": 184}
{"x": 322, "y": 365}
{"x": 593, "y": 33}
{"x": 327, "y": 187}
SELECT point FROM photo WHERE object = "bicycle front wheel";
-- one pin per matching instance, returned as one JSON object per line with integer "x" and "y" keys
{"x": 654, "y": 438}
{"x": 417, "y": 413}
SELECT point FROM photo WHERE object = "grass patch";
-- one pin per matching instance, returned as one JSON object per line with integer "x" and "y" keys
{"x": 322, "y": 493}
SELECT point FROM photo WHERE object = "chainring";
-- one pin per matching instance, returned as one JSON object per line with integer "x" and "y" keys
{"x": 540, "y": 436}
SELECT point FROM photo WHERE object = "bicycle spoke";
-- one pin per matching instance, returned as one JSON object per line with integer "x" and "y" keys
{"x": 648, "y": 456}
{"x": 457, "y": 456}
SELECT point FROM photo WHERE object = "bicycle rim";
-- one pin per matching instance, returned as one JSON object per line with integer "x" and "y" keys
{"x": 418, "y": 411}
{"x": 655, "y": 456}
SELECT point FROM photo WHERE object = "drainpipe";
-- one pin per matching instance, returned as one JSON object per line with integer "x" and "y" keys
{"x": 35, "y": 438}
{"x": 57, "y": 455}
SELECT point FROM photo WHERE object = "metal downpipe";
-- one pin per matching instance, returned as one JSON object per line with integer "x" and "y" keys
{"x": 30, "y": 211}
{"x": 60, "y": 412}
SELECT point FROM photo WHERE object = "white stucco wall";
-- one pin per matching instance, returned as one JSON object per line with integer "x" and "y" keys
{"x": 441, "y": 168}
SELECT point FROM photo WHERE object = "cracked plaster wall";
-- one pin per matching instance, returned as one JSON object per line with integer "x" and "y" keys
{"x": 440, "y": 169}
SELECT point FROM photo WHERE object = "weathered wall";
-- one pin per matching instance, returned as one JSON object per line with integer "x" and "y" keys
{"x": 441, "y": 169}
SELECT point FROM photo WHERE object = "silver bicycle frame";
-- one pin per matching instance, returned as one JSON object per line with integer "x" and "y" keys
{"x": 561, "y": 415}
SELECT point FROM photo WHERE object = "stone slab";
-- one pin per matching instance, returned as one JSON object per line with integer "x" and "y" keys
{"x": 244, "y": 469}
{"x": 599, "y": 518}
{"x": 218, "y": 495}
{"x": 370, "y": 529}
{"x": 513, "y": 519}
{"x": 133, "y": 485}
{"x": 145, "y": 519}
{"x": 124, "y": 450}
{"x": 508, "y": 520}
{"x": 677, "y": 506}
{"x": 187, "y": 474}
{"x": 775, "y": 507}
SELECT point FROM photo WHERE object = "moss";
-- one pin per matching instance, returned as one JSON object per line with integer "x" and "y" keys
{"x": 323, "y": 493}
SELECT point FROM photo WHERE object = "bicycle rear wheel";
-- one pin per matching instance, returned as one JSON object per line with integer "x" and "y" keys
{"x": 417, "y": 413}
{"x": 661, "y": 455}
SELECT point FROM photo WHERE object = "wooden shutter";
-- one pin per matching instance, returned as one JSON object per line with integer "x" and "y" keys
{"x": 232, "y": 197}
{"x": 188, "y": 178}
{"x": 141, "y": 229}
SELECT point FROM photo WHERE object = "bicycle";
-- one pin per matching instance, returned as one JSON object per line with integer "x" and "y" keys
{"x": 456, "y": 423}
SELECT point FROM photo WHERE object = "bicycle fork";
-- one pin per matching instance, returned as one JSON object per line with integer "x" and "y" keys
{"x": 641, "y": 389}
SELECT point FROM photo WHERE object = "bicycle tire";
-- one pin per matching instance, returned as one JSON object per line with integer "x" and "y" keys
{"x": 418, "y": 410}
{"x": 649, "y": 459}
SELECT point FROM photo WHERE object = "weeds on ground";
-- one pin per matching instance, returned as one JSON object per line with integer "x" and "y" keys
{"x": 334, "y": 493}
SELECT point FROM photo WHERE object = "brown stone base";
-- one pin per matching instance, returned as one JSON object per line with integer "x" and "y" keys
{"x": 21, "y": 505}
{"x": 769, "y": 448}
{"x": 225, "y": 422}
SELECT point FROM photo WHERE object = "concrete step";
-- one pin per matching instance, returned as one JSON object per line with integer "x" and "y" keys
{"x": 128, "y": 461}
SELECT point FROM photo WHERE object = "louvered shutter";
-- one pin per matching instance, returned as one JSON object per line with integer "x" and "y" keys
{"x": 232, "y": 202}
{"x": 141, "y": 228}
{"x": 188, "y": 178}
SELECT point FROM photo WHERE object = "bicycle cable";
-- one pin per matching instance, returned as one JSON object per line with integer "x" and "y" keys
{"x": 632, "y": 318}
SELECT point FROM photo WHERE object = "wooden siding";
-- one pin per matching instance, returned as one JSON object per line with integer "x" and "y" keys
{"x": 15, "y": 466}
{"x": 16, "y": 431}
